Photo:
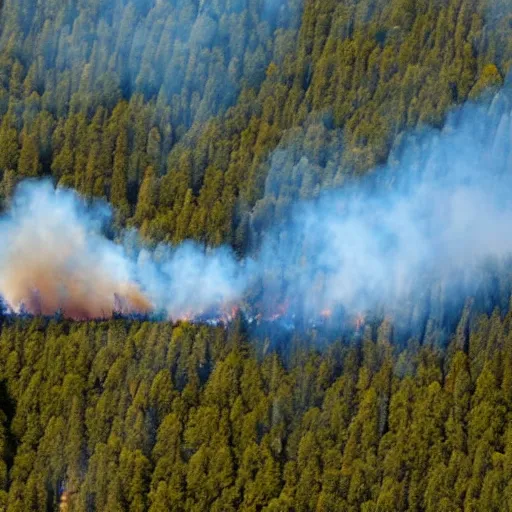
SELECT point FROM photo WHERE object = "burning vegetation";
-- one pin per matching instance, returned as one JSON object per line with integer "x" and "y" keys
{"x": 410, "y": 248}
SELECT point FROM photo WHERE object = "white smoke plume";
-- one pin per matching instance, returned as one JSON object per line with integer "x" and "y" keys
{"x": 432, "y": 227}
{"x": 54, "y": 257}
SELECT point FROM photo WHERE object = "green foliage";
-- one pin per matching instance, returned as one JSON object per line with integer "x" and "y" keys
{"x": 96, "y": 95}
{"x": 148, "y": 416}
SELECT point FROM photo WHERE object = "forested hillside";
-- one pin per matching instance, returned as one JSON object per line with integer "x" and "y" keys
{"x": 171, "y": 110}
{"x": 147, "y": 416}
{"x": 206, "y": 120}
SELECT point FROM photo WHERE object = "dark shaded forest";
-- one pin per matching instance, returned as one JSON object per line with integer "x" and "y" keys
{"x": 175, "y": 112}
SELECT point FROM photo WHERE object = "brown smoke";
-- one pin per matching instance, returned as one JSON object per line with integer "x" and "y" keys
{"x": 40, "y": 285}
{"x": 54, "y": 259}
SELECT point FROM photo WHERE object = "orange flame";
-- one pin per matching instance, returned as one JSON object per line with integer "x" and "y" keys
{"x": 360, "y": 319}
{"x": 326, "y": 313}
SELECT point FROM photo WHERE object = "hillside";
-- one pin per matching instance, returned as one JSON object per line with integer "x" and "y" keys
{"x": 336, "y": 331}
{"x": 171, "y": 110}
{"x": 154, "y": 417}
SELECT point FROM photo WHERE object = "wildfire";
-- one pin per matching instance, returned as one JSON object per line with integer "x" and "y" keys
{"x": 131, "y": 301}
{"x": 280, "y": 311}
{"x": 326, "y": 314}
{"x": 221, "y": 316}
{"x": 359, "y": 321}
{"x": 47, "y": 301}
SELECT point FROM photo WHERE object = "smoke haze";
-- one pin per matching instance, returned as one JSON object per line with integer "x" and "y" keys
{"x": 161, "y": 49}
{"x": 53, "y": 257}
{"x": 430, "y": 228}
{"x": 427, "y": 230}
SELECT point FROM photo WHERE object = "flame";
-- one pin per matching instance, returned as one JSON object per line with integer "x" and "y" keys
{"x": 221, "y": 316}
{"x": 280, "y": 311}
{"x": 359, "y": 321}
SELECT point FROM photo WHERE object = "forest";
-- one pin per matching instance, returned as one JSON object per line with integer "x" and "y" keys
{"x": 129, "y": 101}
{"x": 206, "y": 121}
{"x": 149, "y": 416}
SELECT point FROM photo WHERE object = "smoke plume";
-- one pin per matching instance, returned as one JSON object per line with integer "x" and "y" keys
{"x": 425, "y": 231}
{"x": 53, "y": 257}
{"x": 415, "y": 237}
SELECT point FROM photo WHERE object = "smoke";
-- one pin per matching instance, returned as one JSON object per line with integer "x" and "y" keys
{"x": 421, "y": 233}
{"x": 415, "y": 237}
{"x": 187, "y": 282}
{"x": 53, "y": 257}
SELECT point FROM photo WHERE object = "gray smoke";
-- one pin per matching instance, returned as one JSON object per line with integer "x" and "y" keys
{"x": 432, "y": 226}
{"x": 55, "y": 257}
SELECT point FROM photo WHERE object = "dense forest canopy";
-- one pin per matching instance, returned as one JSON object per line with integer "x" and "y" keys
{"x": 171, "y": 110}
{"x": 207, "y": 120}
{"x": 146, "y": 416}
